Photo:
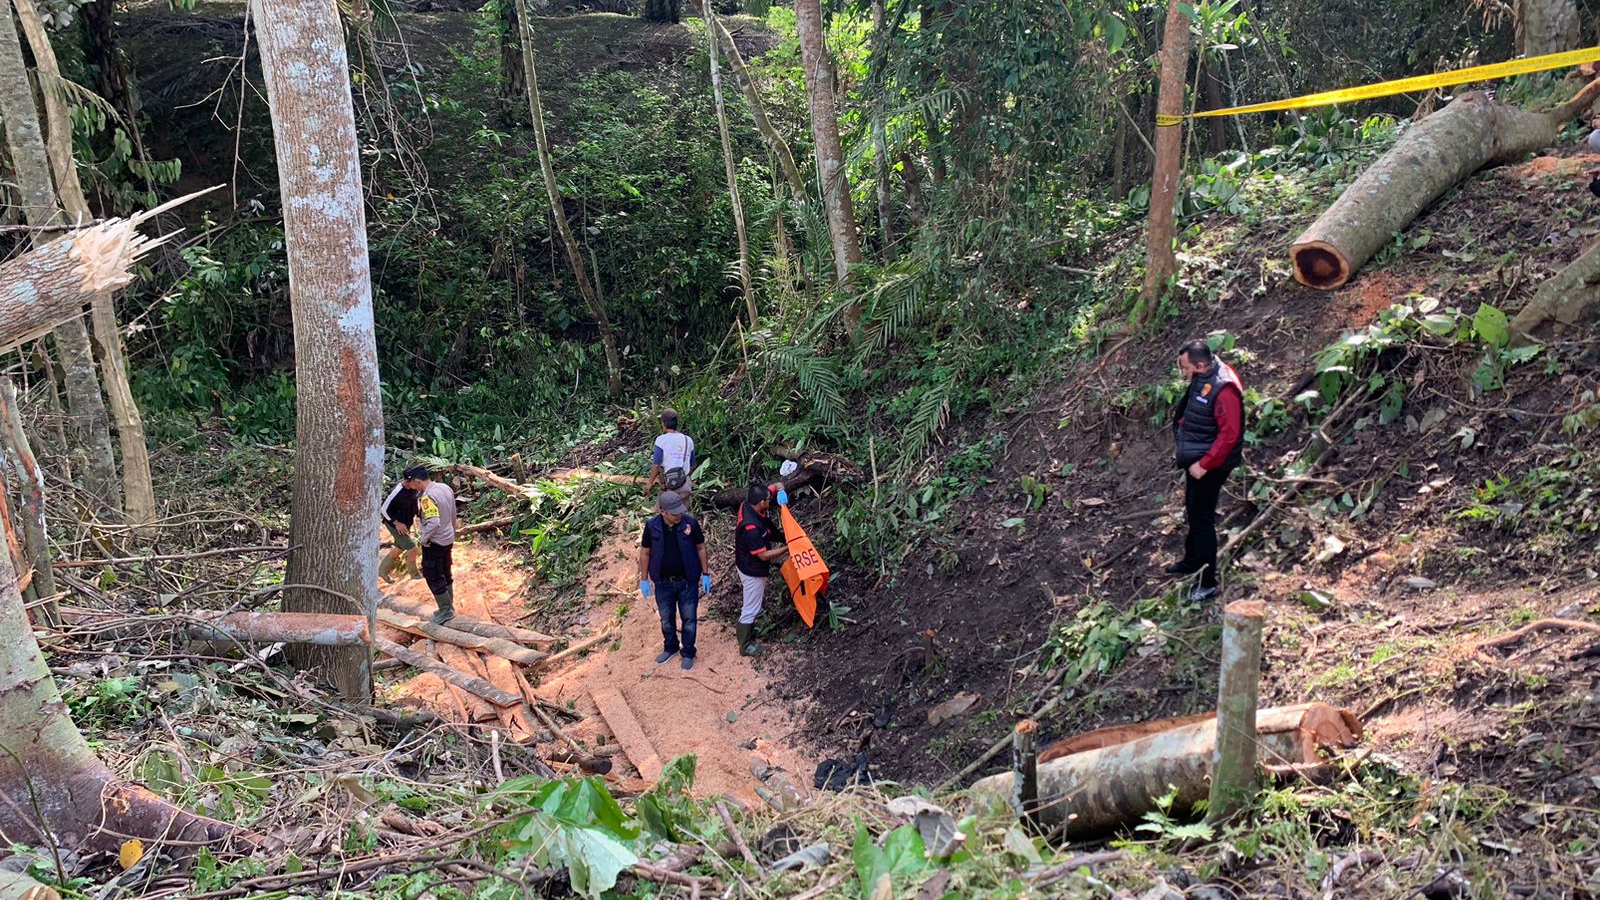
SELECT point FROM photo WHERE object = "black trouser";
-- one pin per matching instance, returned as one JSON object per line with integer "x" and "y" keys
{"x": 1200, "y": 497}
{"x": 436, "y": 567}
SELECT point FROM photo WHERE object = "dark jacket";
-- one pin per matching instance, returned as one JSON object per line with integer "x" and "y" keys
{"x": 685, "y": 533}
{"x": 752, "y": 531}
{"x": 1194, "y": 418}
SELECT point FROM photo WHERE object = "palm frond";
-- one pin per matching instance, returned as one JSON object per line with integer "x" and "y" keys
{"x": 931, "y": 414}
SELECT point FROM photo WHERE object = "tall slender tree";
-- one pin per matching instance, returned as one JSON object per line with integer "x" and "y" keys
{"x": 139, "y": 500}
{"x": 558, "y": 213}
{"x": 745, "y": 288}
{"x": 819, "y": 78}
{"x": 1161, "y": 261}
{"x": 338, "y": 412}
{"x": 31, "y": 167}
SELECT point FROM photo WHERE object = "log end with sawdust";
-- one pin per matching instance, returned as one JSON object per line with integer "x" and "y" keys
{"x": 1116, "y": 775}
{"x": 1427, "y": 160}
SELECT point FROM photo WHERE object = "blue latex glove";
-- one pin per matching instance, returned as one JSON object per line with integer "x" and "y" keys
{"x": 783, "y": 497}
{"x": 705, "y": 584}
{"x": 646, "y": 589}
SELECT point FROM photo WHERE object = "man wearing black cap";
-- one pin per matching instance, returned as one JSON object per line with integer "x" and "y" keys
{"x": 1207, "y": 426}
{"x": 672, "y": 571}
{"x": 753, "y": 556}
{"x": 436, "y": 506}
{"x": 399, "y": 513}
{"x": 672, "y": 459}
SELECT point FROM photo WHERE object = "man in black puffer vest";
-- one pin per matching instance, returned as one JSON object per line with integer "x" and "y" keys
{"x": 1207, "y": 427}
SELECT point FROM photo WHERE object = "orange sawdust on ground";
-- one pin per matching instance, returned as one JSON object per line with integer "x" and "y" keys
{"x": 680, "y": 712}
{"x": 1560, "y": 166}
{"x": 1370, "y": 294}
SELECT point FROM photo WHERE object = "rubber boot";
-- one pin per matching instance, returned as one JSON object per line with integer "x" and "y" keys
{"x": 413, "y": 567}
{"x": 447, "y": 606}
{"x": 746, "y": 632}
{"x": 386, "y": 568}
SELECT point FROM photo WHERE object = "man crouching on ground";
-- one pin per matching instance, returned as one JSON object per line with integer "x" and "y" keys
{"x": 672, "y": 567}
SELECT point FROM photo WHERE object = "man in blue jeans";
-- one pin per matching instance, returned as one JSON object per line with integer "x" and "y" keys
{"x": 672, "y": 571}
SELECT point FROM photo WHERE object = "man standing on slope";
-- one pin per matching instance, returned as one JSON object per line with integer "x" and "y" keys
{"x": 753, "y": 556}
{"x": 672, "y": 567}
{"x": 399, "y": 512}
{"x": 436, "y": 506}
{"x": 672, "y": 460}
{"x": 1207, "y": 426}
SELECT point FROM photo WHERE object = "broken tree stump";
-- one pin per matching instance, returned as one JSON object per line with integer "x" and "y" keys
{"x": 1472, "y": 132}
{"x": 1098, "y": 791}
{"x": 620, "y": 719}
{"x": 1025, "y": 771}
{"x": 1233, "y": 770}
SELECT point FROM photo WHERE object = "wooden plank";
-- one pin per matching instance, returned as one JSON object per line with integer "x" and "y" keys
{"x": 620, "y": 719}
{"x": 472, "y": 685}
{"x": 449, "y": 635}
{"x": 468, "y": 624}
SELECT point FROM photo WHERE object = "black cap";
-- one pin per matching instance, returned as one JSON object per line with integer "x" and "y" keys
{"x": 419, "y": 473}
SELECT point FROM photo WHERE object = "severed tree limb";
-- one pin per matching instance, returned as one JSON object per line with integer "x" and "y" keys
{"x": 31, "y": 481}
{"x": 1566, "y": 298}
{"x": 1472, "y": 132}
{"x": 472, "y": 684}
{"x": 448, "y": 634}
{"x": 1512, "y": 637}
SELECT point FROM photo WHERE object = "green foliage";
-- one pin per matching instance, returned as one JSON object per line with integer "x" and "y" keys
{"x": 109, "y": 704}
{"x": 576, "y": 824}
{"x": 1099, "y": 638}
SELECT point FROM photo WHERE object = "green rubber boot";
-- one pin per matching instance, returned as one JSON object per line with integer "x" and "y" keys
{"x": 391, "y": 561}
{"x": 447, "y": 606}
{"x": 746, "y": 634}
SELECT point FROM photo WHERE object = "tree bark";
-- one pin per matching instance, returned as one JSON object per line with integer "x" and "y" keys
{"x": 31, "y": 167}
{"x": 745, "y": 288}
{"x": 758, "y": 112}
{"x": 339, "y": 415}
{"x": 1547, "y": 26}
{"x": 1161, "y": 261}
{"x": 1025, "y": 771}
{"x": 45, "y": 287}
{"x": 1233, "y": 768}
{"x": 1100, "y": 790}
{"x": 1567, "y": 298}
{"x": 558, "y": 215}
{"x": 513, "y": 87}
{"x": 1472, "y": 132}
{"x": 819, "y": 79}
{"x": 31, "y": 488}
{"x": 139, "y": 501}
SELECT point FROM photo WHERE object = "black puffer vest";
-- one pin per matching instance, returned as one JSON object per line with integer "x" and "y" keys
{"x": 1194, "y": 420}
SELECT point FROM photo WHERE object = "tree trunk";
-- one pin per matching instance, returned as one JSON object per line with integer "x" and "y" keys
{"x": 818, "y": 70}
{"x": 1233, "y": 768}
{"x": 30, "y": 482}
{"x": 880, "y": 139}
{"x": 1429, "y": 159}
{"x": 31, "y": 166}
{"x": 758, "y": 112}
{"x": 51, "y": 785}
{"x": 745, "y": 288}
{"x": 1161, "y": 261}
{"x": 1100, "y": 790}
{"x": 338, "y": 413}
{"x": 1547, "y": 26}
{"x": 665, "y": 11}
{"x": 1567, "y": 297}
{"x": 1212, "y": 86}
{"x": 513, "y": 87}
{"x": 139, "y": 501}
{"x": 558, "y": 214}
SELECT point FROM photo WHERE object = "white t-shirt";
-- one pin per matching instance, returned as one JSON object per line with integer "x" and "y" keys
{"x": 674, "y": 450}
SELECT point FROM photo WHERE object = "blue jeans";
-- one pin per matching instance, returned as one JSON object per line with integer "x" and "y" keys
{"x": 675, "y": 600}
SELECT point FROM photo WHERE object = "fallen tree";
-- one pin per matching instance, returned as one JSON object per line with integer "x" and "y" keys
{"x": 1472, "y": 132}
{"x": 1565, "y": 298}
{"x": 1112, "y": 786}
{"x": 814, "y": 467}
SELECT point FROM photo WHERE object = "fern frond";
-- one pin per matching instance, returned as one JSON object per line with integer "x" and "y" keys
{"x": 927, "y": 419}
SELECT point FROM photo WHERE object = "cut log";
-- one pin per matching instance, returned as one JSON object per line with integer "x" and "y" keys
{"x": 620, "y": 719}
{"x": 460, "y": 638}
{"x": 1098, "y": 791}
{"x": 813, "y": 468}
{"x": 489, "y": 525}
{"x": 323, "y": 630}
{"x": 477, "y": 687}
{"x": 1472, "y": 132}
{"x": 469, "y": 624}
{"x": 1233, "y": 773}
{"x": 469, "y": 663}
{"x": 1566, "y": 298}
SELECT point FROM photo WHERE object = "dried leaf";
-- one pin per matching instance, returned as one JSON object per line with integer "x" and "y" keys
{"x": 951, "y": 708}
{"x": 129, "y": 855}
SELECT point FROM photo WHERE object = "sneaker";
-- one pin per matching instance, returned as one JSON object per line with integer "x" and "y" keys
{"x": 1179, "y": 568}
{"x": 687, "y": 664}
{"x": 1198, "y": 593}
{"x": 665, "y": 655}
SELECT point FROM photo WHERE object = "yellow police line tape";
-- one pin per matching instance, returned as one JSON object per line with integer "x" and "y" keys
{"x": 1406, "y": 85}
